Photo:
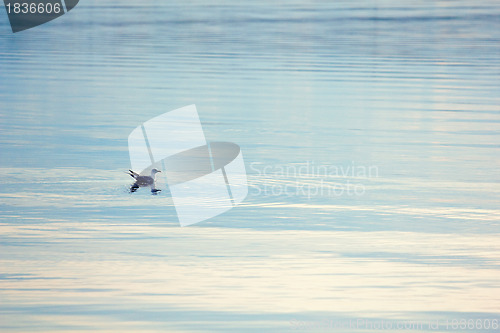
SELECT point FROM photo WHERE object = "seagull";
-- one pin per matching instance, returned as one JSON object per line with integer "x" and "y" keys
{"x": 143, "y": 181}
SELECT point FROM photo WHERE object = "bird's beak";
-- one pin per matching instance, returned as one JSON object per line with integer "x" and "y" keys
{"x": 159, "y": 170}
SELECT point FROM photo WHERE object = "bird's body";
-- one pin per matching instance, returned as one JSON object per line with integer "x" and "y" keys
{"x": 143, "y": 181}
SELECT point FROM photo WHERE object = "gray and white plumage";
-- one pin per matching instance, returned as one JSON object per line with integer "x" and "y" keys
{"x": 143, "y": 181}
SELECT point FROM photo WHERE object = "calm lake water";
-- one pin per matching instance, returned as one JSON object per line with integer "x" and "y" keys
{"x": 371, "y": 136}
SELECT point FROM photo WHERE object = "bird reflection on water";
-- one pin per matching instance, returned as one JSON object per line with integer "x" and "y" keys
{"x": 144, "y": 181}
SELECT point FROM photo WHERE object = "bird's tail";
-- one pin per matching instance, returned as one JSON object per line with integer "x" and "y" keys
{"x": 133, "y": 174}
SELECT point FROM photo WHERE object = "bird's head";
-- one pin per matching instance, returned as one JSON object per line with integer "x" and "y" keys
{"x": 154, "y": 172}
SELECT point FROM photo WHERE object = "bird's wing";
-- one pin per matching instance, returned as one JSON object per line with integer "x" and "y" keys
{"x": 144, "y": 180}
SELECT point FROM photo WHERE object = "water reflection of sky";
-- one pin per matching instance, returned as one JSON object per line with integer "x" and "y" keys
{"x": 411, "y": 89}
{"x": 106, "y": 272}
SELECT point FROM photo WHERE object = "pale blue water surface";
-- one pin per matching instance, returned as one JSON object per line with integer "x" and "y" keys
{"x": 371, "y": 136}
